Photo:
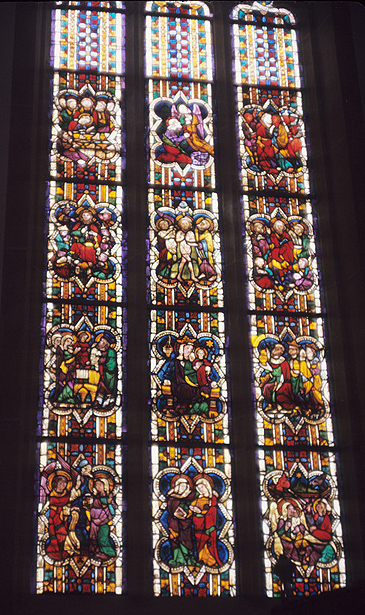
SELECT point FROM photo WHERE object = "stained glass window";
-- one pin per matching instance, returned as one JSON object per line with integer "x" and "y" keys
{"x": 81, "y": 423}
{"x": 193, "y": 534}
{"x": 296, "y": 448}
{"x": 80, "y": 428}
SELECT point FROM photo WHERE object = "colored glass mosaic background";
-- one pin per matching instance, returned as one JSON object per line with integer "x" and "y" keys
{"x": 79, "y": 545}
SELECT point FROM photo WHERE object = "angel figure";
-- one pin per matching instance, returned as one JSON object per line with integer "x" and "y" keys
{"x": 56, "y": 487}
{"x": 66, "y": 488}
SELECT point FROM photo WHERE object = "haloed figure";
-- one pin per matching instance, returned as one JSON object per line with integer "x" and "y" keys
{"x": 59, "y": 486}
{"x": 180, "y": 521}
{"x": 204, "y": 508}
{"x": 102, "y": 511}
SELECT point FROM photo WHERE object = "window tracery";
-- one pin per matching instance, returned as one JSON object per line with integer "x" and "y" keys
{"x": 81, "y": 425}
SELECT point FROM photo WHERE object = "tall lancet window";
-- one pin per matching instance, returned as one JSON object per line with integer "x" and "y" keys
{"x": 190, "y": 442}
{"x": 295, "y": 442}
{"x": 80, "y": 425}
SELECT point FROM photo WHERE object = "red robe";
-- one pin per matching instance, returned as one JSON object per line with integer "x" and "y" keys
{"x": 57, "y": 527}
{"x": 265, "y": 150}
{"x": 202, "y": 377}
{"x": 282, "y": 250}
{"x": 85, "y": 249}
{"x": 205, "y": 529}
{"x": 324, "y": 531}
{"x": 82, "y": 357}
{"x": 279, "y": 392}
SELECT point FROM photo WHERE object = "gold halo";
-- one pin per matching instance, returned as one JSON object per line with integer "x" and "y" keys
{"x": 288, "y": 501}
{"x": 59, "y": 473}
{"x": 83, "y": 208}
{"x": 101, "y": 474}
{"x": 179, "y": 476}
{"x": 211, "y": 224}
{"x": 84, "y": 331}
{"x": 316, "y": 502}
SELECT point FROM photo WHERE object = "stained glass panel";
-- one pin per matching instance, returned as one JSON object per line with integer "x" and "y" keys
{"x": 281, "y": 225}
{"x": 82, "y": 214}
{"x": 79, "y": 545}
{"x": 79, "y": 518}
{"x": 80, "y": 398}
{"x": 189, "y": 387}
{"x": 174, "y": 215}
{"x": 301, "y": 520}
{"x": 193, "y": 532}
{"x": 87, "y": 39}
{"x": 87, "y": 127}
{"x": 296, "y": 454}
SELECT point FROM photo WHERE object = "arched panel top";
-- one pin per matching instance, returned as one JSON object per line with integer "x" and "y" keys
{"x": 263, "y": 12}
{"x": 94, "y": 6}
{"x": 86, "y": 39}
{"x": 188, "y": 9}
